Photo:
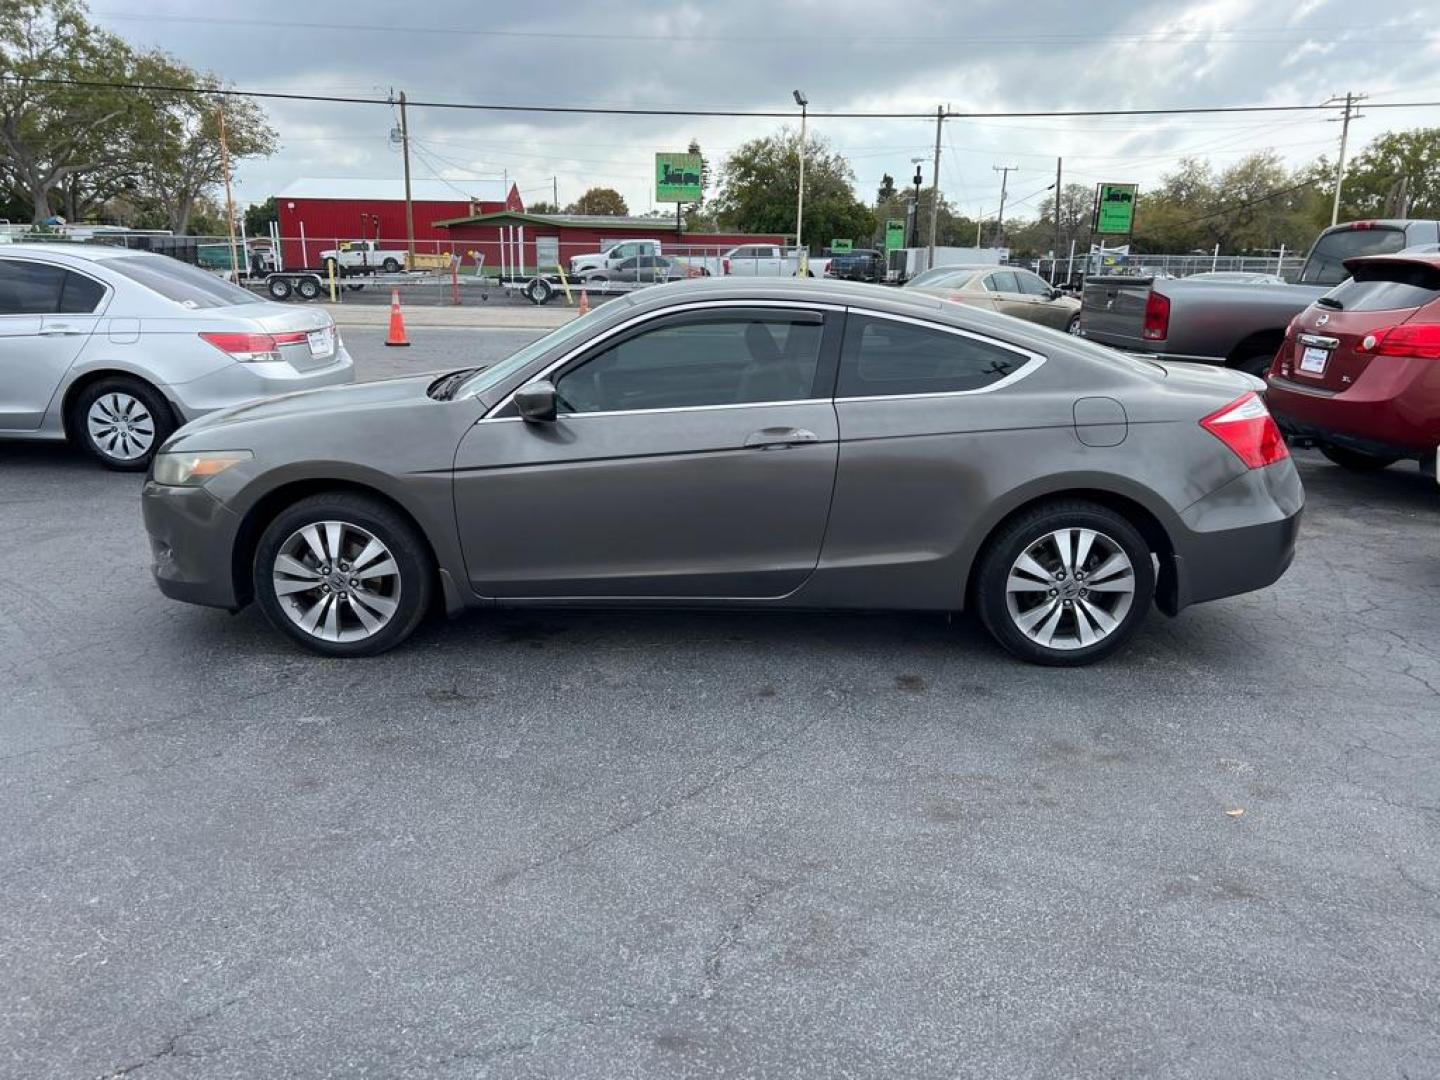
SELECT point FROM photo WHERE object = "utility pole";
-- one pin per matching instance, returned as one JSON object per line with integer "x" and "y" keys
{"x": 1057, "y": 213}
{"x": 409, "y": 204}
{"x": 554, "y": 193}
{"x": 935, "y": 184}
{"x": 802, "y": 263}
{"x": 229, "y": 198}
{"x": 1352, "y": 101}
{"x": 1004, "y": 171}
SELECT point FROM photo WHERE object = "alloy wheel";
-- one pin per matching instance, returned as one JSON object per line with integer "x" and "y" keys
{"x": 336, "y": 581}
{"x": 121, "y": 426}
{"x": 1070, "y": 589}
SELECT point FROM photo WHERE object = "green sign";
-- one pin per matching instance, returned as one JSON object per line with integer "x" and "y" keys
{"x": 894, "y": 234}
{"x": 677, "y": 178}
{"x": 1115, "y": 209}
{"x": 842, "y": 245}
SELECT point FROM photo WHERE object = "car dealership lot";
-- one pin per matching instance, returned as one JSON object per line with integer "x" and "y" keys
{"x": 672, "y": 844}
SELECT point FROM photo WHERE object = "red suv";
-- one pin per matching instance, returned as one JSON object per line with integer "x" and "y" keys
{"x": 1358, "y": 374}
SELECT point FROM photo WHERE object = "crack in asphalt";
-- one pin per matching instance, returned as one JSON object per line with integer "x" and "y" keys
{"x": 172, "y": 1043}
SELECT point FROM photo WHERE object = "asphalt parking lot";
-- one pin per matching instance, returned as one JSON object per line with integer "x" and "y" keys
{"x": 672, "y": 844}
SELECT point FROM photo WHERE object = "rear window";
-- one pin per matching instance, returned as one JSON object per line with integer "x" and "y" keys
{"x": 1388, "y": 287}
{"x": 187, "y": 285}
{"x": 1326, "y": 264}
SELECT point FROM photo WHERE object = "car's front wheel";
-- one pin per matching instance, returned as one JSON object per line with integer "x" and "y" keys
{"x": 1073, "y": 326}
{"x": 1065, "y": 584}
{"x": 344, "y": 575}
{"x": 121, "y": 421}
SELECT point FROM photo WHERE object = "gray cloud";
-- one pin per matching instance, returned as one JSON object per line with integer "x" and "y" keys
{"x": 987, "y": 55}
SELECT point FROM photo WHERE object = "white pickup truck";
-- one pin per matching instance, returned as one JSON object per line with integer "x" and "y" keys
{"x": 611, "y": 258}
{"x": 763, "y": 260}
{"x": 362, "y": 257}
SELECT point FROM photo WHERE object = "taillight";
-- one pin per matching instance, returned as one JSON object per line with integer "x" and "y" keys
{"x": 1247, "y": 428}
{"x": 1157, "y": 317}
{"x": 1420, "y": 340}
{"x": 254, "y": 348}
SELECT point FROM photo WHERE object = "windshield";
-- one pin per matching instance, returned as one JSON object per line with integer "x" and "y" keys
{"x": 497, "y": 373}
{"x": 1326, "y": 264}
{"x": 180, "y": 282}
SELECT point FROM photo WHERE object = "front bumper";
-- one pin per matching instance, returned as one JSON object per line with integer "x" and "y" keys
{"x": 237, "y": 384}
{"x": 1235, "y": 540}
{"x": 192, "y": 538}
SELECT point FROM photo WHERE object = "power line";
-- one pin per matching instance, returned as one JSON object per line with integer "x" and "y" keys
{"x": 338, "y": 99}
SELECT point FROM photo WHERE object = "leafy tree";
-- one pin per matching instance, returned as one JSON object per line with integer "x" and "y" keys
{"x": 759, "y": 184}
{"x": 1373, "y": 180}
{"x": 48, "y": 132}
{"x": 542, "y": 207}
{"x": 695, "y": 211}
{"x": 260, "y": 216}
{"x": 886, "y": 191}
{"x": 599, "y": 200}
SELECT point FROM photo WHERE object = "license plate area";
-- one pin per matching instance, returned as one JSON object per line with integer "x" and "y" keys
{"x": 322, "y": 343}
{"x": 1311, "y": 360}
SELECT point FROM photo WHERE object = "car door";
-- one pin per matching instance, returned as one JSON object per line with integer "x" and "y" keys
{"x": 693, "y": 457}
{"x": 1044, "y": 307}
{"x": 46, "y": 314}
{"x": 1005, "y": 293}
{"x": 626, "y": 269}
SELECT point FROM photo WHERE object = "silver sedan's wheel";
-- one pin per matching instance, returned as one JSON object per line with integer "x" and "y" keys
{"x": 121, "y": 426}
{"x": 336, "y": 581}
{"x": 1070, "y": 589}
{"x": 1074, "y": 326}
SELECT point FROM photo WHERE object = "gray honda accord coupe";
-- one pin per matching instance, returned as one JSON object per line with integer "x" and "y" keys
{"x": 724, "y": 443}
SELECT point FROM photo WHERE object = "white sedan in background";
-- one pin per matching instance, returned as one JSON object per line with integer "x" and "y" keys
{"x": 114, "y": 349}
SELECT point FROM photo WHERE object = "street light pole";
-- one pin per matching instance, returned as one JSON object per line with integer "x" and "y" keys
{"x": 915, "y": 206}
{"x": 802, "y": 264}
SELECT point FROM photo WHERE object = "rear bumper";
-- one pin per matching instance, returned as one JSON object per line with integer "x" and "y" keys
{"x": 1392, "y": 408}
{"x": 236, "y": 384}
{"x": 192, "y": 537}
{"x": 1235, "y": 540}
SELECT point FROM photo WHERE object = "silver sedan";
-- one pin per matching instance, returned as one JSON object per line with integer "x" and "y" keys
{"x": 742, "y": 442}
{"x": 115, "y": 349}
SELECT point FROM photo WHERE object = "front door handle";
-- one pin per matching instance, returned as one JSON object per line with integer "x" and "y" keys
{"x": 59, "y": 331}
{"x": 773, "y": 438}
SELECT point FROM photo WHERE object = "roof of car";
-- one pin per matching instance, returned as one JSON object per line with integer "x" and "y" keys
{"x": 812, "y": 290}
{"x": 89, "y": 252}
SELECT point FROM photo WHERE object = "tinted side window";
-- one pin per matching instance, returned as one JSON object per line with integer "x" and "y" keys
{"x": 1032, "y": 285}
{"x": 882, "y": 356}
{"x": 725, "y": 360}
{"x": 28, "y": 288}
{"x": 1003, "y": 281}
{"x": 80, "y": 295}
{"x": 1325, "y": 266}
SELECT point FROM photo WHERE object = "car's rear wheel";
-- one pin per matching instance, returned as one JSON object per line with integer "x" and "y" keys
{"x": 343, "y": 575}
{"x": 1073, "y": 326}
{"x": 121, "y": 421}
{"x": 390, "y": 266}
{"x": 1355, "y": 460}
{"x": 1065, "y": 584}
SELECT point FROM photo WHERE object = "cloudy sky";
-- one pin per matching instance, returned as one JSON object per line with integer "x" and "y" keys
{"x": 976, "y": 55}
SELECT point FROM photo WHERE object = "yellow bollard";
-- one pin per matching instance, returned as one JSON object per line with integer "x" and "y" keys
{"x": 330, "y": 265}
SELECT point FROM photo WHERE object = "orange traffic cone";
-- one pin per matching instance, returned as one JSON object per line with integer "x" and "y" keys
{"x": 397, "y": 321}
{"x": 584, "y": 303}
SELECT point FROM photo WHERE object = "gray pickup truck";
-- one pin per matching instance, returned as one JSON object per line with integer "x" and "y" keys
{"x": 1231, "y": 324}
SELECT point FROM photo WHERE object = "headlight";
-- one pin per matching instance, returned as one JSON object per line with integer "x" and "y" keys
{"x": 181, "y": 469}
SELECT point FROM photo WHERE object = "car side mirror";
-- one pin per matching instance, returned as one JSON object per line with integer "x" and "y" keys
{"x": 536, "y": 402}
{"x": 1056, "y": 294}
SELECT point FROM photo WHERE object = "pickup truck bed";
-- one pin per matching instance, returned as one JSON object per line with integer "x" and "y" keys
{"x": 1232, "y": 324}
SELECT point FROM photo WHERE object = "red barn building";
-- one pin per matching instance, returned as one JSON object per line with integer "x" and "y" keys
{"x": 511, "y": 238}
{"x": 316, "y": 214}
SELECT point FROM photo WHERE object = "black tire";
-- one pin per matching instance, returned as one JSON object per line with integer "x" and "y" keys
{"x": 121, "y": 387}
{"x": 406, "y": 546}
{"x": 1256, "y": 364}
{"x": 1073, "y": 326}
{"x": 278, "y": 288}
{"x": 539, "y": 291}
{"x": 992, "y": 598}
{"x": 1355, "y": 460}
{"x": 307, "y": 288}
{"x": 390, "y": 266}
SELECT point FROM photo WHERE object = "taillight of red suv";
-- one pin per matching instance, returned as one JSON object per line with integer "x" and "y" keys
{"x": 1419, "y": 340}
{"x": 1248, "y": 429}
{"x": 1157, "y": 317}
